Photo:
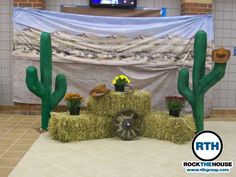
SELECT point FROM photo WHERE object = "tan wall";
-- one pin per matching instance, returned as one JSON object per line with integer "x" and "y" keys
{"x": 39, "y": 4}
{"x": 173, "y": 6}
{"x": 196, "y": 7}
{"x": 199, "y": 1}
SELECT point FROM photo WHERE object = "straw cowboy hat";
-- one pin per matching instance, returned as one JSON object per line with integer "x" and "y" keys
{"x": 220, "y": 55}
{"x": 99, "y": 90}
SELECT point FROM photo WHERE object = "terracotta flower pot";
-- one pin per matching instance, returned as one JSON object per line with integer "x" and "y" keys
{"x": 74, "y": 111}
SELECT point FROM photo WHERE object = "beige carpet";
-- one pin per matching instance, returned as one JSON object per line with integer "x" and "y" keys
{"x": 116, "y": 158}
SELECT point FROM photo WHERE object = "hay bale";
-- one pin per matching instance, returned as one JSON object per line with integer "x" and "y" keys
{"x": 65, "y": 128}
{"x": 161, "y": 126}
{"x": 114, "y": 102}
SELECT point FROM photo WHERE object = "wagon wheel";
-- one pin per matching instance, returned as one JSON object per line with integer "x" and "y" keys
{"x": 127, "y": 124}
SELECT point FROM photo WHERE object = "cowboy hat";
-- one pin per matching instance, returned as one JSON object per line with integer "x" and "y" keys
{"x": 99, "y": 90}
{"x": 220, "y": 55}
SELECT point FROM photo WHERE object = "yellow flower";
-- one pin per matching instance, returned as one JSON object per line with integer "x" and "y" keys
{"x": 121, "y": 77}
{"x": 73, "y": 96}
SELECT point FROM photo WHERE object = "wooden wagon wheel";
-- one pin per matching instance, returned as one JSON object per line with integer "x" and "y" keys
{"x": 128, "y": 124}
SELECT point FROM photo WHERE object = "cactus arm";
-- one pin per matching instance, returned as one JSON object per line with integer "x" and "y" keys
{"x": 213, "y": 77}
{"x": 60, "y": 90}
{"x": 32, "y": 81}
{"x": 200, "y": 46}
{"x": 183, "y": 85}
{"x": 46, "y": 60}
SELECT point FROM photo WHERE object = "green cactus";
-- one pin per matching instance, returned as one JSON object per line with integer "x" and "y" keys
{"x": 201, "y": 82}
{"x": 43, "y": 89}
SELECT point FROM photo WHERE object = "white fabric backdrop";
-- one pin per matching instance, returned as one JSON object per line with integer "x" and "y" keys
{"x": 160, "y": 81}
{"x": 91, "y": 50}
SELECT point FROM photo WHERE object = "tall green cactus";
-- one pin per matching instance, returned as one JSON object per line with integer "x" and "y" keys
{"x": 43, "y": 89}
{"x": 201, "y": 82}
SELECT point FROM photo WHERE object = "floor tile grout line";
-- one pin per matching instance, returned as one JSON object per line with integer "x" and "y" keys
{"x": 4, "y": 152}
{"x": 11, "y": 158}
{"x": 5, "y": 122}
{"x": 8, "y": 158}
{"x": 25, "y": 130}
{"x": 5, "y": 167}
{"x": 11, "y": 127}
{"x": 19, "y": 123}
{"x": 11, "y": 167}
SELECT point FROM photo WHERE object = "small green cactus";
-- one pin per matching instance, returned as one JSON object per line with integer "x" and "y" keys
{"x": 43, "y": 88}
{"x": 201, "y": 82}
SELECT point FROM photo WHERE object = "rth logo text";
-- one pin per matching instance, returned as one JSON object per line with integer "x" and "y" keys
{"x": 207, "y": 146}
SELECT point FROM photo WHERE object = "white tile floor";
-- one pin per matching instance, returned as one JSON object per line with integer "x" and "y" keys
{"x": 117, "y": 158}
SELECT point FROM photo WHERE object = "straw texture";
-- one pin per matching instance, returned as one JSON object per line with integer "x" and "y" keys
{"x": 66, "y": 128}
{"x": 114, "y": 102}
{"x": 161, "y": 126}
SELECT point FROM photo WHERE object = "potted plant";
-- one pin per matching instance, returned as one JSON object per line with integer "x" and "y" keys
{"x": 73, "y": 101}
{"x": 120, "y": 82}
{"x": 174, "y": 105}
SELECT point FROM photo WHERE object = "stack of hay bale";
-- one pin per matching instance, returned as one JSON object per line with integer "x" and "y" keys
{"x": 96, "y": 122}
